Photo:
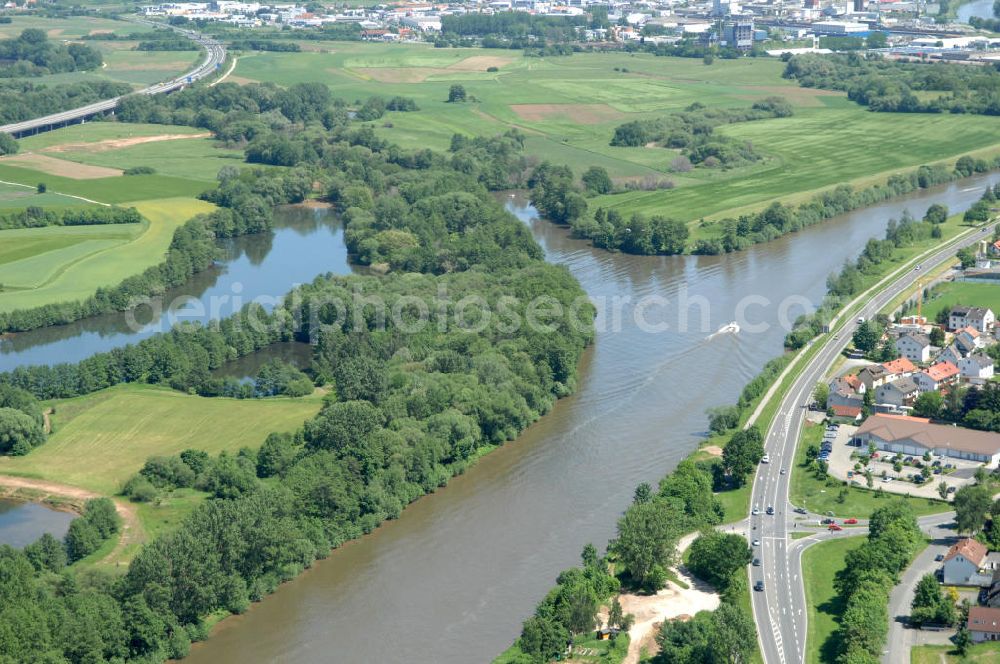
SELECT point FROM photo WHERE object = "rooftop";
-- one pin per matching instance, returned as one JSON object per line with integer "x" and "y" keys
{"x": 931, "y": 436}
{"x": 973, "y": 551}
{"x": 984, "y": 619}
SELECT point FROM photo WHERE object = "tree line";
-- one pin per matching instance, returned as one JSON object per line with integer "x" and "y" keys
{"x": 36, "y": 217}
{"x": 24, "y": 100}
{"x": 891, "y": 86}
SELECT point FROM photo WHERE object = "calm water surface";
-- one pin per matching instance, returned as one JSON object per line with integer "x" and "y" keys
{"x": 452, "y": 579}
{"x": 23, "y": 523}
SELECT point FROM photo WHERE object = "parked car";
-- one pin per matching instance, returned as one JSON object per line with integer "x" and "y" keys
{"x": 850, "y": 522}
{"x": 759, "y": 586}
{"x": 951, "y": 489}
{"x": 834, "y": 526}
{"x": 939, "y": 557}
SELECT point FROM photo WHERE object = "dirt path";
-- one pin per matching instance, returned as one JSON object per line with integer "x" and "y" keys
{"x": 651, "y": 610}
{"x": 131, "y": 530}
{"x": 226, "y": 75}
{"x": 119, "y": 143}
{"x": 47, "y": 421}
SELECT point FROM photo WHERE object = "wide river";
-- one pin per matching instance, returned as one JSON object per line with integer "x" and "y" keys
{"x": 452, "y": 579}
{"x": 980, "y": 8}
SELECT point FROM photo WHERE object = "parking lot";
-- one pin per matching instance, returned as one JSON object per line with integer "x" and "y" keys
{"x": 841, "y": 466}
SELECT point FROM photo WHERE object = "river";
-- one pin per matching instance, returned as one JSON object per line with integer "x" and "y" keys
{"x": 305, "y": 242}
{"x": 452, "y": 579}
{"x": 22, "y": 523}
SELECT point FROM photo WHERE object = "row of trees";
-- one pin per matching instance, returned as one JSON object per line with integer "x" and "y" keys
{"x": 36, "y": 217}
{"x": 850, "y": 281}
{"x": 870, "y": 572}
{"x": 892, "y": 86}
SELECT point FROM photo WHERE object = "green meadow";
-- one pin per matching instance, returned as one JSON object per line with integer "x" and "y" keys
{"x": 967, "y": 293}
{"x": 568, "y": 108}
{"x": 820, "y": 564}
{"x": 117, "y": 429}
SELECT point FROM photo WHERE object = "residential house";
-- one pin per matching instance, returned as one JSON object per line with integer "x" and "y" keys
{"x": 980, "y": 318}
{"x": 914, "y": 346}
{"x": 969, "y": 340}
{"x": 983, "y": 624}
{"x": 916, "y": 436}
{"x": 950, "y": 354}
{"x": 899, "y": 393}
{"x": 936, "y": 376}
{"x": 900, "y": 368}
{"x": 977, "y": 369}
{"x": 846, "y": 391}
{"x": 963, "y": 562}
{"x": 874, "y": 376}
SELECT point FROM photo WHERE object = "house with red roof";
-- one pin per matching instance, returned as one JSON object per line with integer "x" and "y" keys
{"x": 964, "y": 562}
{"x": 983, "y": 624}
{"x": 937, "y": 376}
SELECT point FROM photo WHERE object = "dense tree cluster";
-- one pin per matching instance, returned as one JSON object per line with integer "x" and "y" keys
{"x": 892, "y": 86}
{"x": 513, "y": 26}
{"x": 21, "y": 421}
{"x": 692, "y": 131}
{"x": 870, "y": 572}
{"x": 638, "y": 234}
{"x": 23, "y": 100}
{"x": 32, "y": 54}
{"x": 264, "y": 45}
{"x": 35, "y": 217}
{"x": 931, "y": 605}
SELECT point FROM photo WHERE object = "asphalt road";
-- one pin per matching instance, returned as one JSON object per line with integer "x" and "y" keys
{"x": 215, "y": 55}
{"x": 780, "y": 609}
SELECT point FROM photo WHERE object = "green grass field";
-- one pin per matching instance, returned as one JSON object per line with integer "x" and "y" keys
{"x": 568, "y": 108}
{"x": 973, "y": 294}
{"x": 58, "y": 264}
{"x": 984, "y": 653}
{"x": 101, "y": 439}
{"x": 821, "y": 497}
{"x": 820, "y": 564}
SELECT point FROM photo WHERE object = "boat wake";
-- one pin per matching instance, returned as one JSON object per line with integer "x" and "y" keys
{"x": 728, "y": 328}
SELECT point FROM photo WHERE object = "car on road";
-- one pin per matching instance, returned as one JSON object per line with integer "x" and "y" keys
{"x": 850, "y": 522}
{"x": 835, "y": 527}
{"x": 756, "y": 511}
{"x": 770, "y": 510}
{"x": 756, "y": 562}
{"x": 765, "y": 459}
{"x": 801, "y": 510}
{"x": 759, "y": 586}
{"x": 756, "y": 542}
{"x": 782, "y": 471}
{"x": 861, "y": 319}
{"x": 827, "y": 521}
{"x": 886, "y": 479}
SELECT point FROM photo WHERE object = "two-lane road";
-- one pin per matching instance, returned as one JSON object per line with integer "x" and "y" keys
{"x": 780, "y": 609}
{"x": 215, "y": 55}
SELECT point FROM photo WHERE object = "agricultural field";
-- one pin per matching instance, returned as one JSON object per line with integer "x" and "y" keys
{"x": 123, "y": 64}
{"x": 103, "y": 438}
{"x": 59, "y": 264}
{"x": 569, "y": 106}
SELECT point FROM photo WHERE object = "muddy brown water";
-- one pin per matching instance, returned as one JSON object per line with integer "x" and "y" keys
{"x": 454, "y": 577}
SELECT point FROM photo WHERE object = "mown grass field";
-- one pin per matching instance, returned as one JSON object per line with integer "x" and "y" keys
{"x": 569, "y": 106}
{"x": 821, "y": 497}
{"x": 101, "y": 439}
{"x": 820, "y": 564}
{"x": 984, "y": 653}
{"x": 58, "y": 264}
{"x": 968, "y": 293}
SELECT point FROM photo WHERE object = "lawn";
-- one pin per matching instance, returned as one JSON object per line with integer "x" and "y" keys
{"x": 569, "y": 106}
{"x": 969, "y": 293}
{"x": 820, "y": 564}
{"x": 58, "y": 264}
{"x": 101, "y": 439}
{"x": 112, "y": 190}
{"x": 820, "y": 496}
{"x": 984, "y": 653}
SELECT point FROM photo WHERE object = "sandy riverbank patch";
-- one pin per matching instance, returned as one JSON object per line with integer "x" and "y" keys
{"x": 578, "y": 113}
{"x": 60, "y": 167}
{"x": 119, "y": 143}
{"x": 714, "y": 450}
{"x": 480, "y": 63}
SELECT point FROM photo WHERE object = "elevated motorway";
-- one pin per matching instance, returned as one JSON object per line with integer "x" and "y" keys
{"x": 215, "y": 55}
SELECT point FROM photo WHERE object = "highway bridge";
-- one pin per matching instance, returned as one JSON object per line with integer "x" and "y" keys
{"x": 215, "y": 55}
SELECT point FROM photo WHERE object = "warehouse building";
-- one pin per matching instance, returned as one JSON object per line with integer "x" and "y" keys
{"x": 916, "y": 435}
